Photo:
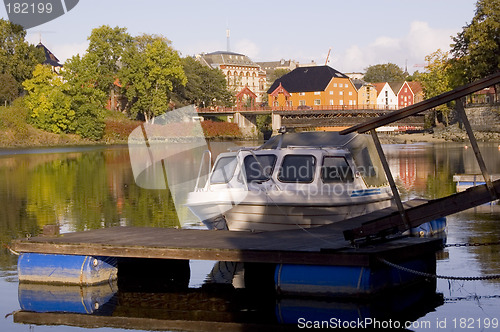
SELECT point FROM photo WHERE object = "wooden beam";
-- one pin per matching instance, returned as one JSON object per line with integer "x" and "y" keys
{"x": 475, "y": 148}
{"x": 429, "y": 211}
{"x": 425, "y": 105}
{"x": 388, "y": 173}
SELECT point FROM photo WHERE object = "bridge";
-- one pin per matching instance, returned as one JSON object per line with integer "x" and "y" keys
{"x": 339, "y": 117}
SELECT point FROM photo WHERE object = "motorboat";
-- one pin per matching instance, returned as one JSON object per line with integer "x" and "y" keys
{"x": 294, "y": 180}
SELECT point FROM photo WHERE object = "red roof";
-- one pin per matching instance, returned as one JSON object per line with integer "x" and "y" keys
{"x": 416, "y": 87}
{"x": 246, "y": 91}
{"x": 378, "y": 86}
{"x": 278, "y": 90}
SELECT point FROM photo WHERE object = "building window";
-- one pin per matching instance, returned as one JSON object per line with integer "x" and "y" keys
{"x": 317, "y": 102}
{"x": 302, "y": 103}
{"x": 334, "y": 85}
{"x": 302, "y": 93}
{"x": 331, "y": 92}
{"x": 331, "y": 101}
{"x": 341, "y": 93}
{"x": 341, "y": 102}
{"x": 317, "y": 93}
{"x": 350, "y": 93}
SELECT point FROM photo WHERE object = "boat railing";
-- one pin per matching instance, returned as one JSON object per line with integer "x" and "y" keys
{"x": 205, "y": 153}
{"x": 239, "y": 148}
{"x": 311, "y": 147}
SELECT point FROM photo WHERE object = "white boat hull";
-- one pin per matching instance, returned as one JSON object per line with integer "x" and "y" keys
{"x": 264, "y": 213}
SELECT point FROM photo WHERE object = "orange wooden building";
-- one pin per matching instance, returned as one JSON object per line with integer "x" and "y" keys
{"x": 313, "y": 87}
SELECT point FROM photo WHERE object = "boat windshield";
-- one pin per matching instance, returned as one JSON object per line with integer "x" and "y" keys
{"x": 368, "y": 164}
{"x": 259, "y": 168}
{"x": 224, "y": 170}
{"x": 297, "y": 168}
{"x": 336, "y": 170}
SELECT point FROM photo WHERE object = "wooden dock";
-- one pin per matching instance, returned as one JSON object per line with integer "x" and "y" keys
{"x": 315, "y": 246}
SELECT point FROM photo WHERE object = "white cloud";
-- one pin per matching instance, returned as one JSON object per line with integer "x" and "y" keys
{"x": 248, "y": 48}
{"x": 420, "y": 41}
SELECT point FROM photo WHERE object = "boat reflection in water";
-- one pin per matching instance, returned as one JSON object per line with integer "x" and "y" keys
{"x": 234, "y": 297}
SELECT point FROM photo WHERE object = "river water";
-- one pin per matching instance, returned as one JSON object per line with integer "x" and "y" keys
{"x": 93, "y": 187}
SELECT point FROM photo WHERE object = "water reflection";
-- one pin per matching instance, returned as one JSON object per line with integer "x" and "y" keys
{"x": 93, "y": 187}
{"x": 78, "y": 190}
{"x": 232, "y": 298}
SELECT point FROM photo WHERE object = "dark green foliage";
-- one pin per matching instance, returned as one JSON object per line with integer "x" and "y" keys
{"x": 151, "y": 68}
{"x": 476, "y": 48}
{"x": 9, "y": 88}
{"x": 205, "y": 86}
{"x": 277, "y": 73}
{"x": 388, "y": 72}
{"x": 17, "y": 57}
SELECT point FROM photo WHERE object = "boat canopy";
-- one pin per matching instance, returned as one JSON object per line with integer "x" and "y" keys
{"x": 322, "y": 139}
{"x": 361, "y": 147}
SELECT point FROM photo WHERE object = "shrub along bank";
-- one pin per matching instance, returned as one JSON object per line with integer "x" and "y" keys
{"x": 15, "y": 131}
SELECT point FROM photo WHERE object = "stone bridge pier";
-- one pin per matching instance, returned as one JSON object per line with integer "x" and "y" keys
{"x": 247, "y": 123}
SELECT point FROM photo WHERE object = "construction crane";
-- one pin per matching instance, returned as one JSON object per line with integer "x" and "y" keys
{"x": 327, "y": 56}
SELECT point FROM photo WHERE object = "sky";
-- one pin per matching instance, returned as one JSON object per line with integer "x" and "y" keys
{"x": 359, "y": 33}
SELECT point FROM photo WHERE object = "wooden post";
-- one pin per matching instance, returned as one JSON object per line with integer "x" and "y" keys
{"x": 388, "y": 173}
{"x": 475, "y": 147}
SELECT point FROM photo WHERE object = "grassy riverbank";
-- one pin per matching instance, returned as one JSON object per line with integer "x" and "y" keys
{"x": 15, "y": 131}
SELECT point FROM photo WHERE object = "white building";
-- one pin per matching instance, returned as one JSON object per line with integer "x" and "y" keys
{"x": 239, "y": 70}
{"x": 385, "y": 96}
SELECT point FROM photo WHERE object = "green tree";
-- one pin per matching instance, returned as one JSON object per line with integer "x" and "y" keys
{"x": 87, "y": 101}
{"x": 17, "y": 57}
{"x": 50, "y": 108}
{"x": 151, "y": 68}
{"x": 436, "y": 80}
{"x": 9, "y": 88}
{"x": 205, "y": 86}
{"x": 388, "y": 72}
{"x": 104, "y": 54}
{"x": 277, "y": 73}
{"x": 476, "y": 48}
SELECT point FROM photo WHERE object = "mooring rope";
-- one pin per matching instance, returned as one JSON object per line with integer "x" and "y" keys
{"x": 436, "y": 276}
{"x": 11, "y": 250}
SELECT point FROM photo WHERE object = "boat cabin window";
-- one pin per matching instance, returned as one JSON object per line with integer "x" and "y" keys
{"x": 336, "y": 169}
{"x": 223, "y": 170}
{"x": 297, "y": 168}
{"x": 259, "y": 168}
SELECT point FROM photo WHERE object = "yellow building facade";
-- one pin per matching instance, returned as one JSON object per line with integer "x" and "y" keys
{"x": 367, "y": 95}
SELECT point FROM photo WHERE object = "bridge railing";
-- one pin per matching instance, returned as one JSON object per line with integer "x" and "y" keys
{"x": 221, "y": 109}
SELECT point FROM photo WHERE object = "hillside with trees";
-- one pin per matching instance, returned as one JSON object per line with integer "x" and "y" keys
{"x": 119, "y": 79}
